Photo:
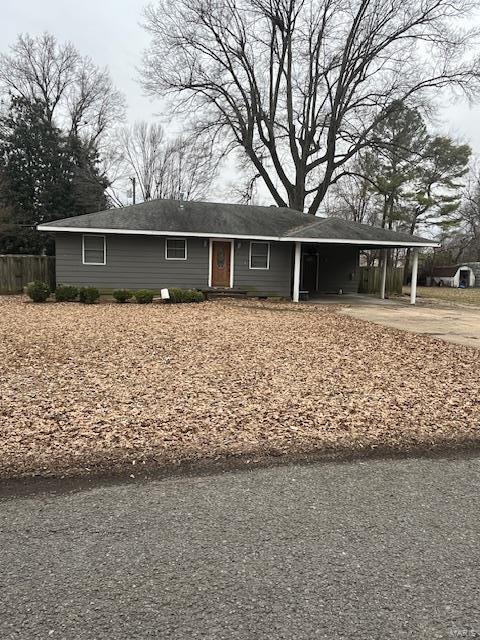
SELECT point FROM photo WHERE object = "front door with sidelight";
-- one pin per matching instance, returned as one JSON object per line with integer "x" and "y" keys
{"x": 221, "y": 252}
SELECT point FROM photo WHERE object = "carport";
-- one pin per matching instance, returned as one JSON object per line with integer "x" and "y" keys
{"x": 326, "y": 257}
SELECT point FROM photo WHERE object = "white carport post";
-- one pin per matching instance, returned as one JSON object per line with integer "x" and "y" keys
{"x": 296, "y": 271}
{"x": 383, "y": 281}
{"x": 413, "y": 288}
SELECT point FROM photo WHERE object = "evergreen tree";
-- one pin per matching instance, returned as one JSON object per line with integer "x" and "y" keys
{"x": 88, "y": 185}
{"x": 44, "y": 176}
{"x": 36, "y": 165}
{"x": 438, "y": 184}
{"x": 398, "y": 142}
{"x": 416, "y": 175}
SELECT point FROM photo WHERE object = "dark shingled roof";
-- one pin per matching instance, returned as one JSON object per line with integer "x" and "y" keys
{"x": 229, "y": 220}
{"x": 446, "y": 271}
{"x": 339, "y": 228}
{"x": 190, "y": 217}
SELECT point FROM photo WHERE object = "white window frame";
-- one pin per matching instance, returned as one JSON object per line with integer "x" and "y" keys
{"x": 94, "y": 235}
{"x": 166, "y": 248}
{"x": 250, "y": 256}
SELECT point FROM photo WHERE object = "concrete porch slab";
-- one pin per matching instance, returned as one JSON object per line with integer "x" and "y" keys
{"x": 354, "y": 299}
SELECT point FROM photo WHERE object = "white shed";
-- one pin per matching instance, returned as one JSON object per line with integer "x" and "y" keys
{"x": 453, "y": 276}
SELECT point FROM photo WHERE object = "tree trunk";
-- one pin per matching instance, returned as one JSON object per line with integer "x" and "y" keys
{"x": 296, "y": 199}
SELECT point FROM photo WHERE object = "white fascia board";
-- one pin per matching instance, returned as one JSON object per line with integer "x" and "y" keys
{"x": 362, "y": 243}
{"x": 229, "y": 236}
{"x": 138, "y": 232}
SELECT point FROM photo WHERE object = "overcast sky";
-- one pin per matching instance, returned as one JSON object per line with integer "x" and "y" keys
{"x": 106, "y": 30}
{"x": 109, "y": 32}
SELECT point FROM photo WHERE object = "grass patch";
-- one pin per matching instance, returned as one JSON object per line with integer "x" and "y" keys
{"x": 448, "y": 294}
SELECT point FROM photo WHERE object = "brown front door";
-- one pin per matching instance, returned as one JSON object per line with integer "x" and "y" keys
{"x": 221, "y": 264}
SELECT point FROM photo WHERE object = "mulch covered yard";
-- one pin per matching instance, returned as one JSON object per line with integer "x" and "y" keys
{"x": 109, "y": 386}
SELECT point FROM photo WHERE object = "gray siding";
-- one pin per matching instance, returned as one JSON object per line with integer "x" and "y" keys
{"x": 137, "y": 262}
{"x": 275, "y": 281}
{"x": 133, "y": 262}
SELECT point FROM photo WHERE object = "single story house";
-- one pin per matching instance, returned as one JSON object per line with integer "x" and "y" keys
{"x": 266, "y": 251}
{"x": 453, "y": 276}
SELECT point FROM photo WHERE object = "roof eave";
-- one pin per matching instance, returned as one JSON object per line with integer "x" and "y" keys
{"x": 147, "y": 232}
{"x": 365, "y": 243}
{"x": 199, "y": 234}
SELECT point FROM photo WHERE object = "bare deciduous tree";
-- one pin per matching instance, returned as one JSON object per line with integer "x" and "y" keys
{"x": 354, "y": 198}
{"x": 39, "y": 68}
{"x": 141, "y": 146}
{"x": 78, "y": 96}
{"x": 299, "y": 84}
{"x": 187, "y": 169}
{"x": 94, "y": 104}
{"x": 182, "y": 167}
{"x": 467, "y": 236}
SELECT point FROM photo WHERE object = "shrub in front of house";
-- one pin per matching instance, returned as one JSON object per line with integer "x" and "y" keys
{"x": 66, "y": 293}
{"x": 122, "y": 295}
{"x": 192, "y": 295}
{"x": 179, "y": 296}
{"x": 198, "y": 296}
{"x": 144, "y": 296}
{"x": 88, "y": 295}
{"x": 37, "y": 291}
{"x": 175, "y": 295}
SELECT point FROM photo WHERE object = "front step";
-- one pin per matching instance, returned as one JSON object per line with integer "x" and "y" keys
{"x": 210, "y": 294}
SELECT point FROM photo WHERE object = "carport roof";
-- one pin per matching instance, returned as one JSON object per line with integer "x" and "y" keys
{"x": 338, "y": 229}
{"x": 211, "y": 219}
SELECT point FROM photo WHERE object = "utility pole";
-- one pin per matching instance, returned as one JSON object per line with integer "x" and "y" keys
{"x": 134, "y": 182}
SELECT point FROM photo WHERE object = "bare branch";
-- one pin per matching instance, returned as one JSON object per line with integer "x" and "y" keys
{"x": 299, "y": 85}
{"x": 182, "y": 167}
{"x": 78, "y": 96}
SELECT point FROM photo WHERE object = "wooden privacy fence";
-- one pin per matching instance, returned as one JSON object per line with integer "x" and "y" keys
{"x": 16, "y": 271}
{"x": 370, "y": 278}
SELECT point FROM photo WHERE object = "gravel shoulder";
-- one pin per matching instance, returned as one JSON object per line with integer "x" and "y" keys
{"x": 95, "y": 388}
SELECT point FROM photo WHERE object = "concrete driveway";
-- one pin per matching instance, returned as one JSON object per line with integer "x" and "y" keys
{"x": 454, "y": 323}
{"x": 372, "y": 550}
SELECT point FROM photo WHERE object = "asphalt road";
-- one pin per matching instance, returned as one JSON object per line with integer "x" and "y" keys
{"x": 366, "y": 550}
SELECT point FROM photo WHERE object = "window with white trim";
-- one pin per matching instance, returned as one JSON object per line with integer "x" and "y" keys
{"x": 94, "y": 249}
{"x": 259, "y": 255}
{"x": 175, "y": 249}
